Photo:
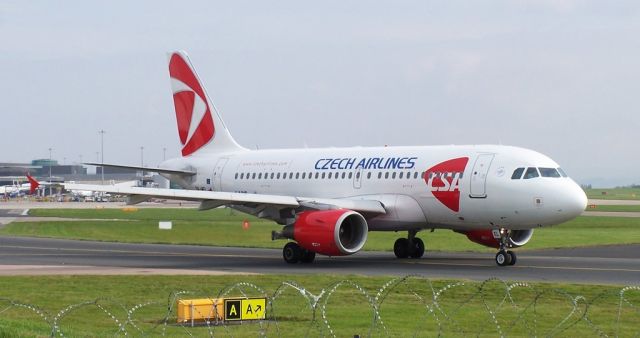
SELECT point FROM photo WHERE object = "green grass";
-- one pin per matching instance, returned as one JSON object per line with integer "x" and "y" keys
{"x": 615, "y": 208}
{"x": 614, "y": 194}
{"x": 462, "y": 307}
{"x": 222, "y": 227}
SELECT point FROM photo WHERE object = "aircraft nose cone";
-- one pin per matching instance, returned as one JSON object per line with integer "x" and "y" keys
{"x": 576, "y": 200}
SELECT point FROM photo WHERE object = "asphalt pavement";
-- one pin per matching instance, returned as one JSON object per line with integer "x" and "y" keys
{"x": 618, "y": 265}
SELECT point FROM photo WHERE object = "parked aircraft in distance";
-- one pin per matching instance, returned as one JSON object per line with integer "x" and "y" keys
{"x": 18, "y": 188}
{"x": 329, "y": 199}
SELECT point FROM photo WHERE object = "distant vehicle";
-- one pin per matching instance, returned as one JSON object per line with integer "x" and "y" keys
{"x": 329, "y": 199}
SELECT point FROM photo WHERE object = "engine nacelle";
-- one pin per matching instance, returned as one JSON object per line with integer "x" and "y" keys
{"x": 517, "y": 238}
{"x": 337, "y": 232}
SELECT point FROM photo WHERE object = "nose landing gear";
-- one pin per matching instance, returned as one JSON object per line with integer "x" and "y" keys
{"x": 505, "y": 257}
{"x": 409, "y": 247}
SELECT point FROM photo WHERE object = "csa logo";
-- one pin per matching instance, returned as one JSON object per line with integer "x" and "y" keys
{"x": 443, "y": 180}
{"x": 195, "y": 124}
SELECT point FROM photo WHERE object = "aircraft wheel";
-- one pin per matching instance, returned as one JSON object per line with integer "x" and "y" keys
{"x": 417, "y": 249}
{"x": 512, "y": 255}
{"x": 292, "y": 253}
{"x": 401, "y": 248}
{"x": 503, "y": 258}
{"x": 307, "y": 256}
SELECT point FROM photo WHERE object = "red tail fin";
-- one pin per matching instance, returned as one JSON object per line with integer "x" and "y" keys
{"x": 34, "y": 184}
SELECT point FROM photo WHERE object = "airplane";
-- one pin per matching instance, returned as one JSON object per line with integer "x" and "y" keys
{"x": 17, "y": 188}
{"x": 328, "y": 199}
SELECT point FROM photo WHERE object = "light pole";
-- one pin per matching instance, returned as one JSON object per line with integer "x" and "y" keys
{"x": 101, "y": 132}
{"x": 164, "y": 153}
{"x": 50, "y": 149}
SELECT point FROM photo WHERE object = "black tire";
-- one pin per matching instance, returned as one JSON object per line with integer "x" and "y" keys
{"x": 401, "y": 248}
{"x": 503, "y": 258}
{"x": 291, "y": 253}
{"x": 307, "y": 256}
{"x": 417, "y": 249}
{"x": 513, "y": 257}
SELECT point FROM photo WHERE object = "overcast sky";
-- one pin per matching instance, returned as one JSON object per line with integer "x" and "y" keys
{"x": 557, "y": 76}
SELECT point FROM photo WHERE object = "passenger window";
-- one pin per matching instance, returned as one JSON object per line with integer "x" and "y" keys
{"x": 358, "y": 175}
{"x": 253, "y": 176}
{"x": 298, "y": 176}
{"x": 400, "y": 175}
{"x": 272, "y": 175}
{"x": 236, "y": 176}
{"x": 531, "y": 173}
{"x": 317, "y": 175}
{"x": 344, "y": 174}
{"x": 304, "y": 175}
{"x": 241, "y": 175}
{"x": 259, "y": 175}
{"x": 549, "y": 172}
{"x": 562, "y": 172}
{"x": 337, "y": 176}
{"x": 329, "y": 175}
{"x": 517, "y": 174}
{"x": 309, "y": 175}
{"x": 386, "y": 175}
{"x": 415, "y": 175}
{"x": 393, "y": 175}
{"x": 368, "y": 175}
{"x": 323, "y": 176}
{"x": 290, "y": 175}
{"x": 350, "y": 175}
{"x": 379, "y": 175}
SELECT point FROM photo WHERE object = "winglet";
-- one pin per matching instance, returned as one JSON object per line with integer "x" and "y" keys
{"x": 33, "y": 183}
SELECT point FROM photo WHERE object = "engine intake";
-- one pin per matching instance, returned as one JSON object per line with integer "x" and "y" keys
{"x": 337, "y": 232}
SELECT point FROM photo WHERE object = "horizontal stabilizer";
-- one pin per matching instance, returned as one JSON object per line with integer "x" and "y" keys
{"x": 151, "y": 169}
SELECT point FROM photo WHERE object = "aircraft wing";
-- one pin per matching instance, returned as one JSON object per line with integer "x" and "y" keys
{"x": 211, "y": 199}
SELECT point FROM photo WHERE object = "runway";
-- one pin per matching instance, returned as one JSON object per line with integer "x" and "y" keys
{"x": 600, "y": 265}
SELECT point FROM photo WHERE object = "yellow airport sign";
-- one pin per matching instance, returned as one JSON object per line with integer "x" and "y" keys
{"x": 245, "y": 308}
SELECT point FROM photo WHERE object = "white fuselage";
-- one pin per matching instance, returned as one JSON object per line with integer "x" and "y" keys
{"x": 478, "y": 192}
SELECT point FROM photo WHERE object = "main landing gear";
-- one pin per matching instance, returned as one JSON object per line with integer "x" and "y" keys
{"x": 409, "y": 247}
{"x": 505, "y": 257}
{"x": 293, "y": 253}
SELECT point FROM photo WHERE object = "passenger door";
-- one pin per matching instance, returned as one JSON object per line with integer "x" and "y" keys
{"x": 478, "y": 186}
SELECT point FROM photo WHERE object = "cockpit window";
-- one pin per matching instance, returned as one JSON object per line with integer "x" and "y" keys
{"x": 531, "y": 173}
{"x": 549, "y": 172}
{"x": 562, "y": 172}
{"x": 517, "y": 174}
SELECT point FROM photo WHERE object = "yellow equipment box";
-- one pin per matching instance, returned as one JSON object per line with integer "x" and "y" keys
{"x": 221, "y": 309}
{"x": 206, "y": 309}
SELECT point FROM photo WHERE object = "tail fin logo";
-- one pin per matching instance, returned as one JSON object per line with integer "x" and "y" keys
{"x": 193, "y": 112}
{"x": 33, "y": 184}
{"x": 443, "y": 181}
